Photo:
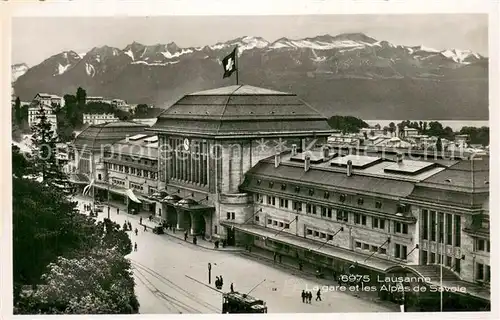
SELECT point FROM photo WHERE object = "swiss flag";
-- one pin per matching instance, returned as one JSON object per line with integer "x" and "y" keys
{"x": 229, "y": 64}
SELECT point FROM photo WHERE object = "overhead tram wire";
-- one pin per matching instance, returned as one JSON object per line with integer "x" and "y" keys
{"x": 183, "y": 292}
{"x": 174, "y": 286}
{"x": 154, "y": 291}
{"x": 166, "y": 297}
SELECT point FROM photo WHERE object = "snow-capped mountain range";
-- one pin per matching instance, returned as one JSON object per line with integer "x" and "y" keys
{"x": 156, "y": 73}
{"x": 18, "y": 70}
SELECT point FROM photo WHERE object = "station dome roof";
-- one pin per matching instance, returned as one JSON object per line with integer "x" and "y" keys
{"x": 242, "y": 110}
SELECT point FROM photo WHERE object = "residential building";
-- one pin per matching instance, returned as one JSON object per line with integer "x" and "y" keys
{"x": 409, "y": 132}
{"x": 90, "y": 99}
{"x": 121, "y": 104}
{"x": 372, "y": 131}
{"x": 35, "y": 111}
{"x": 99, "y": 118}
{"x": 48, "y": 99}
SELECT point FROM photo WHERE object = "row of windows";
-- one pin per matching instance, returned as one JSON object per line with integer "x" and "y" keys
{"x": 133, "y": 171}
{"x": 367, "y": 247}
{"x": 276, "y": 223}
{"x": 482, "y": 245}
{"x": 131, "y": 159}
{"x": 434, "y": 228}
{"x": 118, "y": 182}
{"x": 326, "y": 194}
{"x": 319, "y": 234}
{"x": 432, "y": 258}
{"x": 339, "y": 215}
{"x": 136, "y": 186}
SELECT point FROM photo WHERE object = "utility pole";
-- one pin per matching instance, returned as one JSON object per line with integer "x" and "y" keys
{"x": 209, "y": 273}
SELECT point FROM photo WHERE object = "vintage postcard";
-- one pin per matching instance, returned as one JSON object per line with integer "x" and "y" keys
{"x": 321, "y": 160}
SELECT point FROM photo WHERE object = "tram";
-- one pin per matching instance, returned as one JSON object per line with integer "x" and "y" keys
{"x": 235, "y": 302}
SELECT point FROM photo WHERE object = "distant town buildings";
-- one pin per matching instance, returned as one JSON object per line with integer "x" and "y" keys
{"x": 34, "y": 115}
{"x": 48, "y": 99}
{"x": 90, "y": 99}
{"x": 99, "y": 118}
{"x": 409, "y": 132}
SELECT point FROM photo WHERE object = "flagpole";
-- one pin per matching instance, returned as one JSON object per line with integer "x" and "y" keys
{"x": 237, "y": 68}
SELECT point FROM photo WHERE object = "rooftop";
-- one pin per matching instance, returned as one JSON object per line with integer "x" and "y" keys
{"x": 94, "y": 136}
{"x": 242, "y": 110}
{"x": 140, "y": 146}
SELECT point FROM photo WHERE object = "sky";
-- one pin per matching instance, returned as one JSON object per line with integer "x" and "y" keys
{"x": 35, "y": 39}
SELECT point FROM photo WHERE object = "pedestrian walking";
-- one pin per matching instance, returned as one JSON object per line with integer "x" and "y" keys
{"x": 309, "y": 296}
{"x": 135, "y": 246}
{"x": 318, "y": 295}
{"x": 124, "y": 226}
{"x": 145, "y": 228}
{"x": 117, "y": 210}
{"x": 140, "y": 220}
{"x": 303, "y": 296}
{"x": 129, "y": 226}
{"x": 185, "y": 235}
{"x": 195, "y": 240}
{"x": 232, "y": 288}
{"x": 221, "y": 281}
{"x": 136, "y": 231}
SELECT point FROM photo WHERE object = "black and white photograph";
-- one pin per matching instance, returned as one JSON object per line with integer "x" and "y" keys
{"x": 215, "y": 164}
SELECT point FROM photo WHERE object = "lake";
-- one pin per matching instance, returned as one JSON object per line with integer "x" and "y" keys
{"x": 456, "y": 125}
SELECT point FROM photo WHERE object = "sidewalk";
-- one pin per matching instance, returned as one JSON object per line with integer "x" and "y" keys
{"x": 310, "y": 273}
{"x": 179, "y": 234}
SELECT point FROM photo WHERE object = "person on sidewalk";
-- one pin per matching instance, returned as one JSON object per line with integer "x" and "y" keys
{"x": 124, "y": 226}
{"x": 117, "y": 210}
{"x": 129, "y": 226}
{"x": 303, "y": 296}
{"x": 185, "y": 235}
{"x": 232, "y": 288}
{"x": 300, "y": 266}
{"x": 140, "y": 220}
{"x": 221, "y": 281}
{"x": 195, "y": 240}
{"x": 145, "y": 228}
{"x": 318, "y": 295}
{"x": 135, "y": 246}
{"x": 136, "y": 231}
{"x": 310, "y": 296}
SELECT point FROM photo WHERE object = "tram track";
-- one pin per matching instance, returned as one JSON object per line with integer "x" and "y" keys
{"x": 157, "y": 276}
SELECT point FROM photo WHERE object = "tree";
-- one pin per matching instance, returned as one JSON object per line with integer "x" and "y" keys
{"x": 141, "y": 109}
{"x": 44, "y": 162}
{"x": 477, "y": 135}
{"x": 347, "y": 124}
{"x": 392, "y": 127}
{"x": 99, "y": 282}
{"x": 439, "y": 144}
{"x": 17, "y": 110}
{"x": 425, "y": 127}
{"x": 20, "y": 163}
{"x": 81, "y": 96}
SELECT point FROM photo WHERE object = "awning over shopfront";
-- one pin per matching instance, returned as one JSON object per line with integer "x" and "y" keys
{"x": 78, "y": 178}
{"x": 373, "y": 263}
{"x": 131, "y": 196}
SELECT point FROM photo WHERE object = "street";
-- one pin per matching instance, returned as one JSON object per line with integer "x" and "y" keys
{"x": 164, "y": 268}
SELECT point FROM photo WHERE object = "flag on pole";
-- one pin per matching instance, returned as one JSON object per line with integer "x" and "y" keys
{"x": 87, "y": 188}
{"x": 229, "y": 64}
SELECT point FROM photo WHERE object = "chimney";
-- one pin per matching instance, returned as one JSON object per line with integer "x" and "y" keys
{"x": 326, "y": 153}
{"x": 127, "y": 138}
{"x": 349, "y": 168}
{"x": 294, "y": 150}
{"x": 399, "y": 157}
{"x": 307, "y": 162}
{"x": 277, "y": 159}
